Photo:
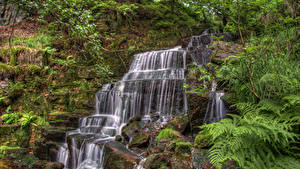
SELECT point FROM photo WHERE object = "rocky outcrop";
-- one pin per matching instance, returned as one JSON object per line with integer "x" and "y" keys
{"x": 118, "y": 156}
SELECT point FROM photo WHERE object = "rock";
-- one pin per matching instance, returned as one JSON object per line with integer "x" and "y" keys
{"x": 154, "y": 116}
{"x": 180, "y": 162}
{"x": 201, "y": 141}
{"x": 158, "y": 161}
{"x": 140, "y": 141}
{"x": 183, "y": 147}
{"x": 131, "y": 130}
{"x": 197, "y": 106}
{"x": 45, "y": 150}
{"x": 118, "y": 156}
{"x": 135, "y": 118}
{"x": 118, "y": 138}
{"x": 179, "y": 123}
{"x": 56, "y": 134}
{"x": 54, "y": 165}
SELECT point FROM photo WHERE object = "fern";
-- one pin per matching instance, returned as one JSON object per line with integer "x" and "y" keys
{"x": 256, "y": 139}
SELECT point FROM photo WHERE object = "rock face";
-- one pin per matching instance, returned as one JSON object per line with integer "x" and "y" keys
{"x": 119, "y": 156}
{"x": 9, "y": 12}
{"x": 198, "y": 48}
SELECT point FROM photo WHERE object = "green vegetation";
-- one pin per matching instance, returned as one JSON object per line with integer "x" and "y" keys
{"x": 167, "y": 134}
{"x": 183, "y": 147}
{"x": 82, "y": 44}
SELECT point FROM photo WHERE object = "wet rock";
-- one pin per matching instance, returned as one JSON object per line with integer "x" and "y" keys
{"x": 54, "y": 165}
{"x": 140, "y": 141}
{"x": 135, "y": 118}
{"x": 118, "y": 138}
{"x": 131, "y": 130}
{"x": 179, "y": 123}
{"x": 45, "y": 150}
{"x": 119, "y": 156}
{"x": 197, "y": 106}
{"x": 56, "y": 134}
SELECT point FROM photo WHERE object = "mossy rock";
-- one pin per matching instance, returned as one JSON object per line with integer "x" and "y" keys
{"x": 168, "y": 134}
{"x": 118, "y": 156}
{"x": 140, "y": 141}
{"x": 158, "y": 161}
{"x": 201, "y": 141}
{"x": 179, "y": 123}
{"x": 183, "y": 147}
{"x": 21, "y": 55}
{"x": 8, "y": 129}
{"x": 131, "y": 130}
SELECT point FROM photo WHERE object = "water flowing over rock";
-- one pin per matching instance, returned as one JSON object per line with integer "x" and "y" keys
{"x": 216, "y": 109}
{"x": 153, "y": 85}
{"x": 198, "y": 48}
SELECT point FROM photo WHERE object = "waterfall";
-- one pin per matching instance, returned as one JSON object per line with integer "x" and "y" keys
{"x": 198, "y": 48}
{"x": 154, "y": 84}
{"x": 216, "y": 109}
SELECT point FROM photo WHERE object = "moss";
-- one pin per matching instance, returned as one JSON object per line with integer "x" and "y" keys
{"x": 167, "y": 134}
{"x": 140, "y": 141}
{"x": 183, "y": 147}
{"x": 22, "y": 138}
{"x": 34, "y": 68}
{"x": 200, "y": 141}
{"x": 6, "y": 68}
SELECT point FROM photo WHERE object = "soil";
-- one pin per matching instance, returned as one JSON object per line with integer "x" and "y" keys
{"x": 24, "y": 28}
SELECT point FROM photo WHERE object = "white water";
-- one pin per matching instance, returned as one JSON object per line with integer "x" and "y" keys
{"x": 198, "y": 49}
{"x": 216, "y": 109}
{"x": 154, "y": 84}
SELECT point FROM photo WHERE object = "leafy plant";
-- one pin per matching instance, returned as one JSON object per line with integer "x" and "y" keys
{"x": 9, "y": 117}
{"x": 252, "y": 140}
{"x": 27, "y": 119}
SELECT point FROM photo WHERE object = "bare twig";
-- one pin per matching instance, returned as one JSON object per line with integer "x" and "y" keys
{"x": 251, "y": 81}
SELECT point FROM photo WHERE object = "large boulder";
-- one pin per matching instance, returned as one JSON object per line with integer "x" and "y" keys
{"x": 132, "y": 129}
{"x": 140, "y": 141}
{"x": 167, "y": 160}
{"x": 179, "y": 123}
{"x": 118, "y": 156}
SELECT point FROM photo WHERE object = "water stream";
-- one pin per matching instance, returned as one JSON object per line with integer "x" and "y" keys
{"x": 154, "y": 84}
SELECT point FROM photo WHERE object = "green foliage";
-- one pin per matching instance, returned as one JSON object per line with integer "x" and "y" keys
{"x": 273, "y": 71}
{"x": 9, "y": 117}
{"x": 27, "y": 119}
{"x": 22, "y": 137}
{"x": 4, "y": 148}
{"x": 38, "y": 41}
{"x": 167, "y": 134}
{"x": 200, "y": 141}
{"x": 252, "y": 140}
{"x": 248, "y": 16}
{"x": 183, "y": 147}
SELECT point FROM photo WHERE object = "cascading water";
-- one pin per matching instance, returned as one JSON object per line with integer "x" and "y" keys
{"x": 154, "y": 84}
{"x": 216, "y": 109}
{"x": 198, "y": 48}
